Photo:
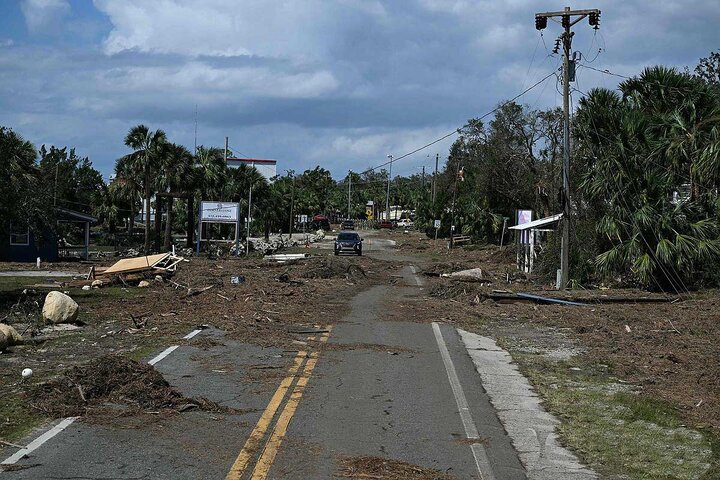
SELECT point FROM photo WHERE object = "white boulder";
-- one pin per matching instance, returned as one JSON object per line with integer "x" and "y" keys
{"x": 8, "y": 336}
{"x": 143, "y": 284}
{"x": 59, "y": 308}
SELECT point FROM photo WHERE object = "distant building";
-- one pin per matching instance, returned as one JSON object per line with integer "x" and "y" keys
{"x": 22, "y": 246}
{"x": 267, "y": 168}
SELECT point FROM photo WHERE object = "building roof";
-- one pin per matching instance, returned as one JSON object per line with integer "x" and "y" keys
{"x": 537, "y": 223}
{"x": 252, "y": 160}
{"x": 74, "y": 216}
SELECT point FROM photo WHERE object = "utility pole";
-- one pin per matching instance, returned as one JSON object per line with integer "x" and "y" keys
{"x": 423, "y": 179}
{"x": 349, "y": 191}
{"x": 247, "y": 235}
{"x": 196, "y": 128}
{"x": 434, "y": 181}
{"x": 57, "y": 165}
{"x": 226, "y": 149}
{"x": 567, "y": 22}
{"x": 292, "y": 204}
{"x": 452, "y": 226}
{"x": 387, "y": 199}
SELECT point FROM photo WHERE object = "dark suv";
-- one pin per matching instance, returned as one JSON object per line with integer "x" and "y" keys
{"x": 348, "y": 242}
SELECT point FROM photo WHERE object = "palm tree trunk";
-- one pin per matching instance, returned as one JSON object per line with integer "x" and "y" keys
{"x": 158, "y": 222}
{"x": 131, "y": 222}
{"x": 190, "y": 220}
{"x": 168, "y": 224}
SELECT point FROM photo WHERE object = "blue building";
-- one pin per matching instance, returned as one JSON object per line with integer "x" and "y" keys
{"x": 23, "y": 246}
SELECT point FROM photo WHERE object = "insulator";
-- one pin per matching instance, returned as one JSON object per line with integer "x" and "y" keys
{"x": 594, "y": 19}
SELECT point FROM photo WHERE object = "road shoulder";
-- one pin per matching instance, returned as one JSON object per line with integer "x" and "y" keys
{"x": 530, "y": 428}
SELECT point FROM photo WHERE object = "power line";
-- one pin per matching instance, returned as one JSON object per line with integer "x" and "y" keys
{"x": 606, "y": 71}
{"x": 395, "y": 159}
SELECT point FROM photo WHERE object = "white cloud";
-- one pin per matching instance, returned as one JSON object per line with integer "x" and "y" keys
{"x": 198, "y": 77}
{"x": 228, "y": 27}
{"x": 42, "y": 14}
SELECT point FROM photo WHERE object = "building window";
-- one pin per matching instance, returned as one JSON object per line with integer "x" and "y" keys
{"x": 19, "y": 236}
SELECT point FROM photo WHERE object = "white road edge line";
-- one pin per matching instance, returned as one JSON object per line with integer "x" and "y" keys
{"x": 191, "y": 334}
{"x": 481, "y": 460}
{"x": 163, "y": 354}
{"x": 35, "y": 444}
{"x": 417, "y": 279}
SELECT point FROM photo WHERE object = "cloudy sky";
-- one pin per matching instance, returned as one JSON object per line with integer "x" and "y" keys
{"x": 340, "y": 83}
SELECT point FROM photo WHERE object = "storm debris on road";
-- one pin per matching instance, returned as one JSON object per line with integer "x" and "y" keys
{"x": 111, "y": 379}
{"x": 387, "y": 469}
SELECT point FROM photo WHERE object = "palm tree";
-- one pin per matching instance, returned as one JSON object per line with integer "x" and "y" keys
{"x": 210, "y": 173}
{"x": 177, "y": 163}
{"x": 144, "y": 162}
{"x": 126, "y": 187}
{"x": 635, "y": 151}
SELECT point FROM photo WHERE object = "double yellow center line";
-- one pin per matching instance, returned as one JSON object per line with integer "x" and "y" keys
{"x": 271, "y": 447}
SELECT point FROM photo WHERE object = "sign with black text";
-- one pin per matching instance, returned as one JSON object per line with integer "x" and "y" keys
{"x": 219, "y": 212}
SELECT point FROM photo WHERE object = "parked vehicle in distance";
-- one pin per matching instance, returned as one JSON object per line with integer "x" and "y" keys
{"x": 386, "y": 224}
{"x": 348, "y": 242}
{"x": 320, "y": 222}
{"x": 405, "y": 223}
{"x": 347, "y": 225}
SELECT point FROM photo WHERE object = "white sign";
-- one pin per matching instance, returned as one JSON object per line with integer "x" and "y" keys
{"x": 437, "y": 223}
{"x": 303, "y": 218}
{"x": 219, "y": 212}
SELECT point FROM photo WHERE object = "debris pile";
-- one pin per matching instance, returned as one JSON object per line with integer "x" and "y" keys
{"x": 278, "y": 242}
{"x": 110, "y": 379}
{"x": 138, "y": 268}
{"x": 387, "y": 469}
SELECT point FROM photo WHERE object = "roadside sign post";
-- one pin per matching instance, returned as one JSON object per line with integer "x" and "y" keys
{"x": 219, "y": 212}
{"x": 437, "y": 227}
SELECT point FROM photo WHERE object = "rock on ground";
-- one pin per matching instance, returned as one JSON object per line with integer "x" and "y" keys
{"x": 9, "y": 336}
{"x": 144, "y": 284}
{"x": 59, "y": 308}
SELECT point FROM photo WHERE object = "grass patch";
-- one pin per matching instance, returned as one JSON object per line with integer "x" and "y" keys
{"x": 11, "y": 284}
{"x": 16, "y": 418}
{"x": 714, "y": 471}
{"x": 142, "y": 352}
{"x": 617, "y": 430}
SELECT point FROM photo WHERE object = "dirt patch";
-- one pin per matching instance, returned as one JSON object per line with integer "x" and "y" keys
{"x": 333, "y": 267}
{"x": 387, "y": 469}
{"x": 108, "y": 380}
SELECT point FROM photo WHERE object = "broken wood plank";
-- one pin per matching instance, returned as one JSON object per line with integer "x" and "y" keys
{"x": 192, "y": 292}
{"x": 136, "y": 264}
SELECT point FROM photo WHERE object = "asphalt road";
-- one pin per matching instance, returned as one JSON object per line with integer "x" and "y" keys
{"x": 401, "y": 390}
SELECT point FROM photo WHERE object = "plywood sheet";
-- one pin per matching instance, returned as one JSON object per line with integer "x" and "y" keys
{"x": 136, "y": 264}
